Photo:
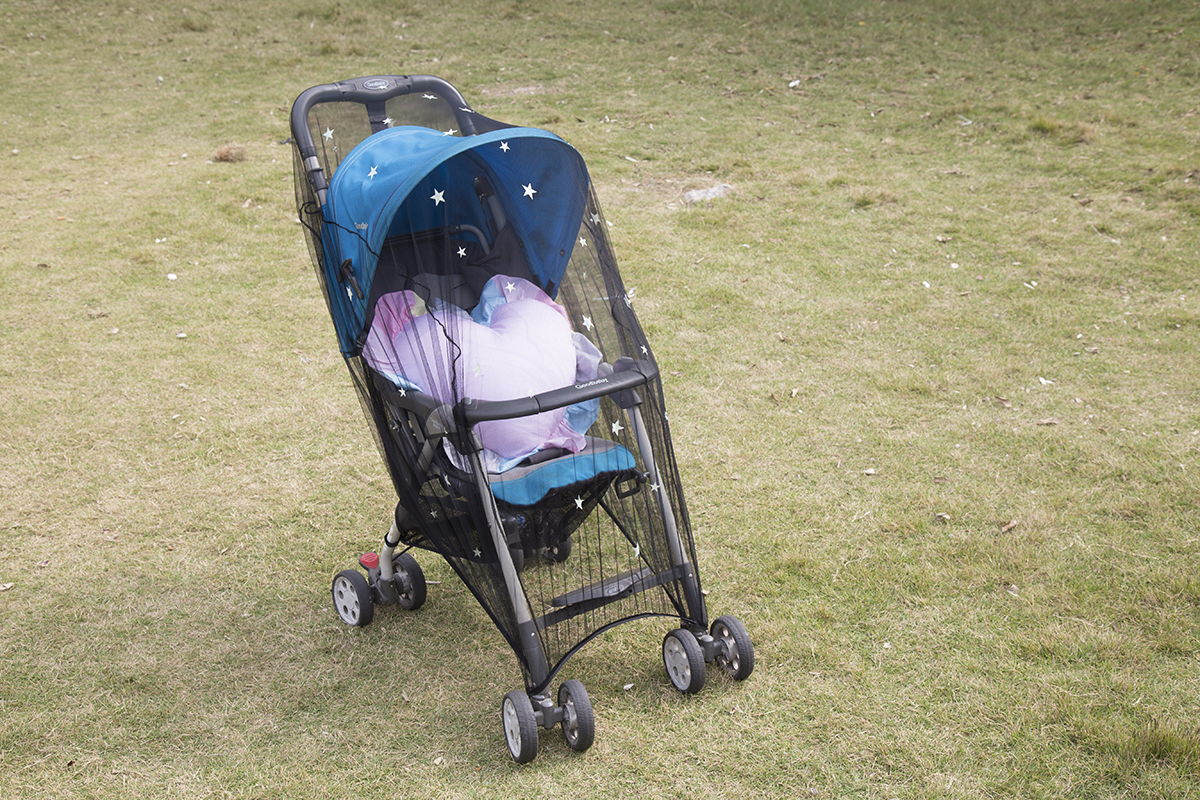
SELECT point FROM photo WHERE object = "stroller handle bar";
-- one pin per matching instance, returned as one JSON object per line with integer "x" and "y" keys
{"x": 367, "y": 91}
{"x": 627, "y": 374}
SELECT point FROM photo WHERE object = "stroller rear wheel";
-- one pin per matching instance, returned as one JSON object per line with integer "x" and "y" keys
{"x": 684, "y": 659}
{"x": 352, "y": 598}
{"x": 410, "y": 581}
{"x": 558, "y": 553}
{"x": 520, "y": 726}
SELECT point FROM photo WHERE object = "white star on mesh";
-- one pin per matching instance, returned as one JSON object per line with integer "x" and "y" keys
{"x": 450, "y": 132}
{"x": 328, "y": 134}
{"x": 579, "y": 503}
{"x": 430, "y": 96}
{"x": 582, "y": 242}
{"x": 595, "y": 219}
{"x": 529, "y": 190}
{"x": 438, "y": 197}
{"x": 477, "y": 553}
{"x": 510, "y": 287}
{"x": 388, "y": 121}
{"x": 587, "y": 322}
{"x": 462, "y": 252}
{"x": 617, "y": 427}
{"x": 504, "y": 148}
{"x": 374, "y": 171}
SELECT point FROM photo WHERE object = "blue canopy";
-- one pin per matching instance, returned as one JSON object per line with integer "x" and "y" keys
{"x": 539, "y": 179}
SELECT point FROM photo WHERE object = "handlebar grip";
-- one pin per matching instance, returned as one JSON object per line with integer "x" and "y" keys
{"x": 371, "y": 89}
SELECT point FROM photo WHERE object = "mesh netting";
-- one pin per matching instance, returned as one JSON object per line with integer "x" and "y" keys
{"x": 472, "y": 294}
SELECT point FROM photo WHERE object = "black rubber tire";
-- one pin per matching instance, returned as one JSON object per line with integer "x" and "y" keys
{"x": 738, "y": 659}
{"x": 352, "y": 598}
{"x": 408, "y": 573}
{"x": 579, "y": 724}
{"x": 558, "y": 553}
{"x": 518, "y": 558}
{"x": 684, "y": 659}
{"x": 520, "y": 727}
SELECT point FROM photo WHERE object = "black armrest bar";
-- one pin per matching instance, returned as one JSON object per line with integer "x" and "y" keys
{"x": 629, "y": 373}
{"x": 438, "y": 417}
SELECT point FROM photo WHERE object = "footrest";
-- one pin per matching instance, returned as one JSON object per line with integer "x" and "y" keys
{"x": 611, "y": 587}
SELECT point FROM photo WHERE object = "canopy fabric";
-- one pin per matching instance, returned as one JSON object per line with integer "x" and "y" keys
{"x": 539, "y": 179}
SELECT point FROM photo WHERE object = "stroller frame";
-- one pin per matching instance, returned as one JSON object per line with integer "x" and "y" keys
{"x": 413, "y": 427}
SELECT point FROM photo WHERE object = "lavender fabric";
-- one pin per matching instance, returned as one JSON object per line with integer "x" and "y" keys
{"x": 517, "y": 343}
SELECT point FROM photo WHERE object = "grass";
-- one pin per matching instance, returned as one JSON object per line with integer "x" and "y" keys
{"x": 931, "y": 373}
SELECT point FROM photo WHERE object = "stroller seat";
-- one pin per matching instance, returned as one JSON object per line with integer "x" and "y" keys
{"x": 529, "y": 484}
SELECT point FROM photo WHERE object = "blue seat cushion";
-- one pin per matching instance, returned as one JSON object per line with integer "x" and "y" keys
{"x": 526, "y": 486}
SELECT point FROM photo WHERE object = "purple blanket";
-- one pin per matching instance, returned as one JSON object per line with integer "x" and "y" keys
{"x": 517, "y": 343}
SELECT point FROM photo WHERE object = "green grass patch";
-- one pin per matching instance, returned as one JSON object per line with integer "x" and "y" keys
{"x": 930, "y": 370}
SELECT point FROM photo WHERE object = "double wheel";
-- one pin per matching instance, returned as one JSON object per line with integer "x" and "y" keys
{"x": 685, "y": 655}
{"x": 521, "y": 720}
{"x": 354, "y": 597}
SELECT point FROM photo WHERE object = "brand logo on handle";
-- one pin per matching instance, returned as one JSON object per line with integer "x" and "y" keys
{"x": 376, "y": 84}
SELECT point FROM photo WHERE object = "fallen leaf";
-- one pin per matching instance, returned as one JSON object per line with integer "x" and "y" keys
{"x": 870, "y": 471}
{"x": 783, "y": 337}
{"x": 1045, "y": 381}
{"x": 940, "y": 479}
{"x": 248, "y": 203}
{"x": 4, "y": 587}
{"x": 1048, "y": 421}
{"x": 1003, "y": 401}
{"x": 1012, "y": 523}
{"x": 942, "y": 516}
{"x": 795, "y": 392}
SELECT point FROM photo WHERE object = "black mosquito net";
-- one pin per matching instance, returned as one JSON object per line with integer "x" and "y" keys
{"x": 463, "y": 303}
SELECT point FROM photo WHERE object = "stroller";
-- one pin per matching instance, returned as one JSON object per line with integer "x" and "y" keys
{"x": 508, "y": 384}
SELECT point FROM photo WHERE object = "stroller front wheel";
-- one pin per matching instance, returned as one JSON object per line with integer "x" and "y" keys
{"x": 352, "y": 598}
{"x": 520, "y": 726}
{"x": 738, "y": 657}
{"x": 684, "y": 659}
{"x": 578, "y": 724}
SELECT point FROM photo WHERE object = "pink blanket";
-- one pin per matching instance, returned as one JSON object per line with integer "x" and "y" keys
{"x": 523, "y": 345}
